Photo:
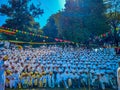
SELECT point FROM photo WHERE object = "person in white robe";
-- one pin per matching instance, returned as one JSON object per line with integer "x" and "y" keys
{"x": 118, "y": 75}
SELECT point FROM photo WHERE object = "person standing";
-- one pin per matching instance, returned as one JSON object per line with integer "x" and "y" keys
{"x": 118, "y": 75}
{"x": 59, "y": 78}
{"x": 51, "y": 81}
{"x": 2, "y": 72}
{"x": 65, "y": 77}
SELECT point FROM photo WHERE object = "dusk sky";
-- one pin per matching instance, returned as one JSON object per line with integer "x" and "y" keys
{"x": 50, "y": 7}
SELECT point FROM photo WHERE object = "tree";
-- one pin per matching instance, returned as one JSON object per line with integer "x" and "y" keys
{"x": 21, "y": 14}
{"x": 81, "y": 18}
{"x": 51, "y": 29}
{"x": 113, "y": 16}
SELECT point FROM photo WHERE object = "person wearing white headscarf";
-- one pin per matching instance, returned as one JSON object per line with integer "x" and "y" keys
{"x": 118, "y": 75}
{"x": 2, "y": 76}
{"x": 51, "y": 81}
{"x": 2, "y": 72}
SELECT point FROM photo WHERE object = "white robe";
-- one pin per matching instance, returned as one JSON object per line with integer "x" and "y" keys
{"x": 118, "y": 78}
{"x": 2, "y": 76}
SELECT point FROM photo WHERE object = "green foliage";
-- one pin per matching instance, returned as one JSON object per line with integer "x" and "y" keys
{"x": 50, "y": 29}
{"x": 113, "y": 17}
{"x": 81, "y": 19}
{"x": 21, "y": 16}
{"x": 113, "y": 12}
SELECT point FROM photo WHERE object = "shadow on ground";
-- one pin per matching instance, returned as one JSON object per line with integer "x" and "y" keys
{"x": 57, "y": 89}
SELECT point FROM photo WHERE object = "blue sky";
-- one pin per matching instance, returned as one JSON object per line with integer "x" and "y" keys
{"x": 50, "y": 7}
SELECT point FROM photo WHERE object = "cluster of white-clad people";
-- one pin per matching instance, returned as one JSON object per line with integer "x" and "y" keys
{"x": 56, "y": 66}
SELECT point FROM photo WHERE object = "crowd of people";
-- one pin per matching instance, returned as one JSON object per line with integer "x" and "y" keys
{"x": 55, "y": 66}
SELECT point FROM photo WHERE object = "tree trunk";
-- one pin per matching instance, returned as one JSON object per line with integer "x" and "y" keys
{"x": 115, "y": 37}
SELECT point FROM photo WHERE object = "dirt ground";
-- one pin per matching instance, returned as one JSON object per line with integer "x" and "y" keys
{"x": 58, "y": 89}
